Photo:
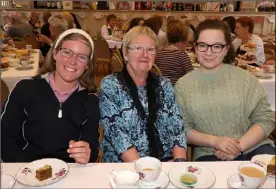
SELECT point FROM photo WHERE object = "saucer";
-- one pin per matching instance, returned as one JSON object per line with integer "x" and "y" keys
{"x": 20, "y": 68}
{"x": 161, "y": 182}
{"x": 205, "y": 177}
{"x": 4, "y": 69}
{"x": 234, "y": 182}
{"x": 7, "y": 181}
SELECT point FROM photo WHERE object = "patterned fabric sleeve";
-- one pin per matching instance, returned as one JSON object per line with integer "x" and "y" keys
{"x": 111, "y": 118}
{"x": 175, "y": 122}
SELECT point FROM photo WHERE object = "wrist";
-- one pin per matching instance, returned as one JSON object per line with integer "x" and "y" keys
{"x": 213, "y": 142}
{"x": 179, "y": 160}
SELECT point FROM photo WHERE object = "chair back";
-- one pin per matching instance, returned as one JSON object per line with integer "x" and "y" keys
{"x": 31, "y": 40}
{"x": 155, "y": 70}
{"x": 269, "y": 46}
{"x": 19, "y": 42}
{"x": 269, "y": 53}
{"x": 4, "y": 92}
{"x": 102, "y": 52}
{"x": 117, "y": 51}
{"x": 100, "y": 155}
{"x": 116, "y": 63}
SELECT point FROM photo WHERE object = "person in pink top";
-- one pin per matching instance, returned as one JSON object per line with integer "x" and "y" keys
{"x": 55, "y": 114}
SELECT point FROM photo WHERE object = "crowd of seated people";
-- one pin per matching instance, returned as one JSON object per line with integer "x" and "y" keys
{"x": 141, "y": 114}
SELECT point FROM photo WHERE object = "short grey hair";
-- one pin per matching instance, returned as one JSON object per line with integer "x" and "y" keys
{"x": 58, "y": 21}
{"x": 136, "y": 32}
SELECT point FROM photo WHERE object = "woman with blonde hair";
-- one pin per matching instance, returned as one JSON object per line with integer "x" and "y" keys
{"x": 55, "y": 114}
{"x": 69, "y": 18}
{"x": 139, "y": 113}
{"x": 58, "y": 24}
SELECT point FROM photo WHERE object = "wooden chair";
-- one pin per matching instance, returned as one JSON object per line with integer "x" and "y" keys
{"x": 155, "y": 70}
{"x": 118, "y": 53}
{"x": 190, "y": 152}
{"x": 100, "y": 155}
{"x": 19, "y": 44}
{"x": 4, "y": 93}
{"x": 272, "y": 136}
{"x": 269, "y": 53}
{"x": 269, "y": 46}
{"x": 116, "y": 63}
{"x": 102, "y": 54}
{"x": 31, "y": 40}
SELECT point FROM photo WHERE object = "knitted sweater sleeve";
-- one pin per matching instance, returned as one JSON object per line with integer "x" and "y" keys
{"x": 258, "y": 107}
{"x": 180, "y": 96}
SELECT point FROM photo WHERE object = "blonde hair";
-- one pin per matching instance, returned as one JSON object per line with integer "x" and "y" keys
{"x": 58, "y": 21}
{"x": 69, "y": 18}
{"x": 87, "y": 79}
{"x": 136, "y": 32}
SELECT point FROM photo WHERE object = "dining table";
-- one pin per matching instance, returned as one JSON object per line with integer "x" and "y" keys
{"x": 96, "y": 175}
{"x": 114, "y": 43}
{"x": 12, "y": 75}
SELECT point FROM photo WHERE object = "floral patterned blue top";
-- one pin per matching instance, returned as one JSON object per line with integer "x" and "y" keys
{"x": 123, "y": 127}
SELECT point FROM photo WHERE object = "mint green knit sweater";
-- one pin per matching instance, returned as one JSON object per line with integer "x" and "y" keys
{"x": 225, "y": 103}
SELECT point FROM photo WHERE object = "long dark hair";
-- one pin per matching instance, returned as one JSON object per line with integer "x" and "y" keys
{"x": 231, "y": 21}
{"x": 134, "y": 22}
{"x": 216, "y": 24}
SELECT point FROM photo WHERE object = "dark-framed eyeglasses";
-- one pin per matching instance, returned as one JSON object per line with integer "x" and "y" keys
{"x": 140, "y": 48}
{"x": 215, "y": 48}
{"x": 82, "y": 58}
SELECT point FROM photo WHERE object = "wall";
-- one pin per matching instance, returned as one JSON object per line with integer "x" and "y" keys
{"x": 92, "y": 21}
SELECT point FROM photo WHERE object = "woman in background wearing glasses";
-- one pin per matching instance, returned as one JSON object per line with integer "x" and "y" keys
{"x": 139, "y": 113}
{"x": 55, "y": 114}
{"x": 224, "y": 107}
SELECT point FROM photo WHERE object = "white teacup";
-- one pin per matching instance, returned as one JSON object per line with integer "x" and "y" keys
{"x": 29, "y": 47}
{"x": 148, "y": 168}
{"x": 24, "y": 63}
{"x": 124, "y": 179}
{"x": 250, "y": 178}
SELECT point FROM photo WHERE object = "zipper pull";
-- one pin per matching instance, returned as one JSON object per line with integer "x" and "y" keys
{"x": 60, "y": 111}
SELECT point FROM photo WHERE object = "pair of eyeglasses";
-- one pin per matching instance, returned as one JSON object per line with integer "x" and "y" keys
{"x": 140, "y": 48}
{"x": 82, "y": 58}
{"x": 216, "y": 48}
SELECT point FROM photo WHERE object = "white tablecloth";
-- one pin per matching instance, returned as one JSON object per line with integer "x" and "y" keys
{"x": 96, "y": 175}
{"x": 269, "y": 86}
{"x": 112, "y": 44}
{"x": 12, "y": 76}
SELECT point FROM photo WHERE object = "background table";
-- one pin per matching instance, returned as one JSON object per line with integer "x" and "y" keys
{"x": 12, "y": 76}
{"x": 269, "y": 86}
{"x": 112, "y": 44}
{"x": 95, "y": 175}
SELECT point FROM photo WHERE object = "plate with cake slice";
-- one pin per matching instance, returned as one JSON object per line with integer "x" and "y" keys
{"x": 267, "y": 161}
{"x": 42, "y": 172}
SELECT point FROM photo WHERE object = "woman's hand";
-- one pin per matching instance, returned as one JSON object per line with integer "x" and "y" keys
{"x": 224, "y": 156}
{"x": 228, "y": 145}
{"x": 80, "y": 151}
{"x": 44, "y": 39}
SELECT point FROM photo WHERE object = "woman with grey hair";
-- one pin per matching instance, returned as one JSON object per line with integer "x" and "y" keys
{"x": 55, "y": 114}
{"x": 58, "y": 24}
{"x": 139, "y": 113}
